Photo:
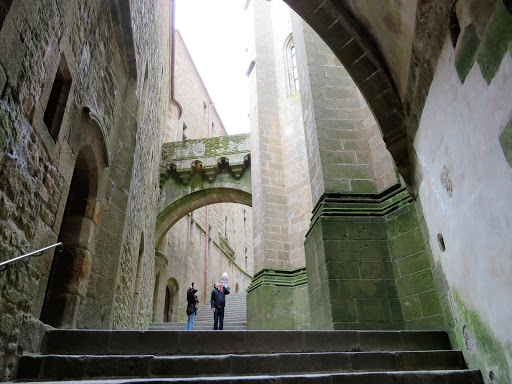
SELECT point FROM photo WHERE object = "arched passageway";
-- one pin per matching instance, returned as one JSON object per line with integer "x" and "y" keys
{"x": 196, "y": 173}
{"x": 171, "y": 300}
{"x": 71, "y": 269}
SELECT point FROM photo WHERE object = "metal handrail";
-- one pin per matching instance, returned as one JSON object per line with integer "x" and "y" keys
{"x": 39, "y": 252}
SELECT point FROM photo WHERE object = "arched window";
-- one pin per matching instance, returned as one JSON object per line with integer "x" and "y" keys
{"x": 292, "y": 73}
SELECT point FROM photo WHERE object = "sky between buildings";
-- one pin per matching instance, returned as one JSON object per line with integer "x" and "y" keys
{"x": 215, "y": 32}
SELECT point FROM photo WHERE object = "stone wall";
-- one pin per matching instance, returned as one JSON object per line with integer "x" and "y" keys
{"x": 464, "y": 183}
{"x": 111, "y": 118}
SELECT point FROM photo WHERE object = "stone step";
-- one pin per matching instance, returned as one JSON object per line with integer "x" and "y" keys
{"x": 53, "y": 367}
{"x": 202, "y": 328}
{"x": 209, "y": 321}
{"x": 199, "y": 323}
{"x": 416, "y": 377}
{"x": 103, "y": 342}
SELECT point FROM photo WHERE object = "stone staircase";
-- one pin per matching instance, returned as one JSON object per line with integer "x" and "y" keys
{"x": 235, "y": 316}
{"x": 277, "y": 357}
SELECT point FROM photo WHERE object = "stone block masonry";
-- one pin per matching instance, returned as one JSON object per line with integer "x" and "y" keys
{"x": 367, "y": 265}
{"x": 278, "y": 299}
{"x": 106, "y": 138}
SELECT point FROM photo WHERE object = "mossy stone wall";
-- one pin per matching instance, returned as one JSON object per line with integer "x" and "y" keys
{"x": 367, "y": 265}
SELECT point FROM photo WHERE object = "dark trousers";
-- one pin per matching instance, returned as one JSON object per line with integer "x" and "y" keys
{"x": 218, "y": 317}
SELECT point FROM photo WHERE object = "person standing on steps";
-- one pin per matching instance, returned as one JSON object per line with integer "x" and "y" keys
{"x": 218, "y": 302}
{"x": 191, "y": 307}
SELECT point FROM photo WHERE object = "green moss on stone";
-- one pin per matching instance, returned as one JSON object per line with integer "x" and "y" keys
{"x": 343, "y": 269}
{"x": 506, "y": 142}
{"x": 363, "y": 186}
{"x": 376, "y": 270}
{"x": 496, "y": 42}
{"x": 430, "y": 304}
{"x": 467, "y": 52}
{"x": 366, "y": 231}
{"x": 373, "y": 310}
{"x": 411, "y": 307}
{"x": 412, "y": 264}
{"x": 407, "y": 244}
{"x": 415, "y": 283}
{"x": 426, "y": 323}
{"x": 489, "y": 353}
{"x": 344, "y": 310}
{"x": 363, "y": 250}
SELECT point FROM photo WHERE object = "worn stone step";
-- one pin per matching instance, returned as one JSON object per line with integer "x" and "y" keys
{"x": 102, "y": 342}
{"x": 205, "y": 322}
{"x": 76, "y": 367}
{"x": 202, "y": 328}
{"x": 404, "y": 377}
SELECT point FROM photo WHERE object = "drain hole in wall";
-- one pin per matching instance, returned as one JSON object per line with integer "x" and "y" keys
{"x": 441, "y": 242}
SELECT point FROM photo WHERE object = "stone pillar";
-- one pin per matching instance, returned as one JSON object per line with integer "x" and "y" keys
{"x": 366, "y": 260}
{"x": 281, "y": 201}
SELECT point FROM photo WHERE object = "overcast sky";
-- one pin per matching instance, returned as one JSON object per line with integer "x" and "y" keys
{"x": 215, "y": 34}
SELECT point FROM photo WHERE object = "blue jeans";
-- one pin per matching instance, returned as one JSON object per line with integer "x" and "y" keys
{"x": 190, "y": 322}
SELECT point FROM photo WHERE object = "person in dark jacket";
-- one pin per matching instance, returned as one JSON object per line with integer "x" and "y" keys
{"x": 218, "y": 302}
{"x": 191, "y": 307}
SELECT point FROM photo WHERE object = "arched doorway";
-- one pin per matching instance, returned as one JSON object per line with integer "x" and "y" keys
{"x": 171, "y": 300}
{"x": 69, "y": 276}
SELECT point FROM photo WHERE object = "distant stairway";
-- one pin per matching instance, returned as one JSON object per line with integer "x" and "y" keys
{"x": 251, "y": 357}
{"x": 235, "y": 316}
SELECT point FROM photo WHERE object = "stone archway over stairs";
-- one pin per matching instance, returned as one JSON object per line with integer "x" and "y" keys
{"x": 196, "y": 173}
{"x": 384, "y": 48}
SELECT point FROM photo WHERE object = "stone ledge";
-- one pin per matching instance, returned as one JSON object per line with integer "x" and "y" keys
{"x": 279, "y": 277}
{"x": 359, "y": 204}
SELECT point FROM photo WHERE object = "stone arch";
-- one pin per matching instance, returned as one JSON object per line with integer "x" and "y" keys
{"x": 197, "y": 199}
{"x": 69, "y": 276}
{"x": 172, "y": 289}
{"x": 361, "y": 52}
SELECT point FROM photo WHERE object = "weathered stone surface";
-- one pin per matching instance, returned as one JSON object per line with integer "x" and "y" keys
{"x": 506, "y": 142}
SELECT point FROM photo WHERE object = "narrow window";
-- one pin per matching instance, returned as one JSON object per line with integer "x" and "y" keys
{"x": 4, "y": 10}
{"x": 246, "y": 258}
{"x": 245, "y": 218}
{"x": 292, "y": 72}
{"x": 295, "y": 71}
{"x": 185, "y": 131}
{"x": 225, "y": 226}
{"x": 205, "y": 110}
{"x": 213, "y": 129}
{"x": 54, "y": 113}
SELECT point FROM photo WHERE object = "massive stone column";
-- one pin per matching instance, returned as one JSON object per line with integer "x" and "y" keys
{"x": 277, "y": 299}
{"x": 367, "y": 264}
